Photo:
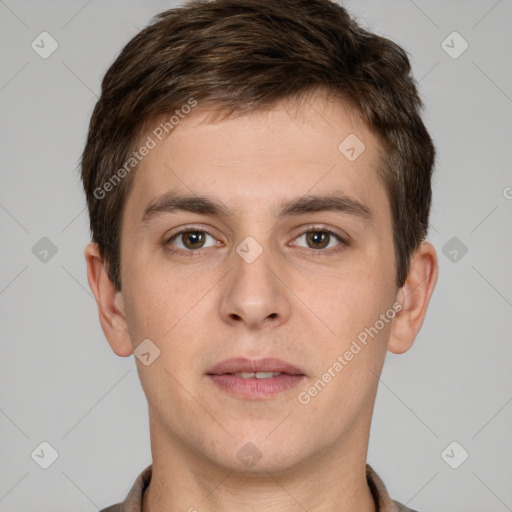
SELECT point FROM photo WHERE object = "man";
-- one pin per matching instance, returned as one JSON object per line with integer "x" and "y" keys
{"x": 258, "y": 182}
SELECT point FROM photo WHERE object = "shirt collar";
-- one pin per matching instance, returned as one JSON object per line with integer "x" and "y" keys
{"x": 383, "y": 503}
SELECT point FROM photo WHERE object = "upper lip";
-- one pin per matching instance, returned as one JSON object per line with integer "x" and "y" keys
{"x": 240, "y": 364}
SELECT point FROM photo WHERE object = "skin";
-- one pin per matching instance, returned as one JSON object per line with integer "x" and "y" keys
{"x": 300, "y": 302}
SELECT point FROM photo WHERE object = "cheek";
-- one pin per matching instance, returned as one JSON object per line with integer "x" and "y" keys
{"x": 352, "y": 300}
{"x": 155, "y": 295}
{"x": 167, "y": 309}
{"x": 357, "y": 310}
{"x": 170, "y": 322}
{"x": 150, "y": 313}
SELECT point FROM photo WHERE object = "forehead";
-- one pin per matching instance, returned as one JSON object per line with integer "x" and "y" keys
{"x": 259, "y": 160}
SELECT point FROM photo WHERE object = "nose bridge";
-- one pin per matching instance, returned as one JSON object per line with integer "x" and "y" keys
{"x": 254, "y": 295}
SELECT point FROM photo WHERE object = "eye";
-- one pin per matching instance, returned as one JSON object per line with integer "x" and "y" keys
{"x": 321, "y": 239}
{"x": 189, "y": 240}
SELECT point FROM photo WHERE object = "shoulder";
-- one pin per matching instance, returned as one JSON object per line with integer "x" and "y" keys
{"x": 113, "y": 508}
{"x": 403, "y": 508}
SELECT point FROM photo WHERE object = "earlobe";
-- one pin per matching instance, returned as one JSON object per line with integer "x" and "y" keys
{"x": 414, "y": 298}
{"x": 110, "y": 303}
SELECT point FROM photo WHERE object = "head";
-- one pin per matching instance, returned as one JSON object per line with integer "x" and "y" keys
{"x": 255, "y": 124}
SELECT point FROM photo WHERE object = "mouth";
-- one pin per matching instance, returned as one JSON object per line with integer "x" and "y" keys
{"x": 259, "y": 368}
{"x": 257, "y": 375}
{"x": 255, "y": 379}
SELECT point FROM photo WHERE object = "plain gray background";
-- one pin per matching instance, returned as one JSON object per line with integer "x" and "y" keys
{"x": 61, "y": 383}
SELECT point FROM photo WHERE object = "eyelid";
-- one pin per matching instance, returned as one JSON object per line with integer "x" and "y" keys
{"x": 187, "y": 229}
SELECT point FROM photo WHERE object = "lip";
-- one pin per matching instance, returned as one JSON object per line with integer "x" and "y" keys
{"x": 252, "y": 388}
{"x": 240, "y": 364}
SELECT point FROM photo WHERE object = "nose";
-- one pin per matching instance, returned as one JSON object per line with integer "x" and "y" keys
{"x": 255, "y": 293}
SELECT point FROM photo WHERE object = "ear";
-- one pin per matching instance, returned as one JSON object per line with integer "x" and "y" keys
{"x": 414, "y": 298}
{"x": 110, "y": 303}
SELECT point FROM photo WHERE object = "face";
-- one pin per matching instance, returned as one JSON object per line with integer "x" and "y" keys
{"x": 286, "y": 253}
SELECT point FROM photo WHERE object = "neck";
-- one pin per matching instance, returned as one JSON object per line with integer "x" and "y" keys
{"x": 330, "y": 481}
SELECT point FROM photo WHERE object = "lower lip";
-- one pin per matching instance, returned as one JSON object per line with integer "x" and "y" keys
{"x": 256, "y": 388}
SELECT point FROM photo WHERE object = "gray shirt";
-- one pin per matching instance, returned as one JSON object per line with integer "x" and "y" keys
{"x": 383, "y": 503}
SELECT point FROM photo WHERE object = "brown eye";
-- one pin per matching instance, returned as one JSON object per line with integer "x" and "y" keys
{"x": 193, "y": 239}
{"x": 190, "y": 240}
{"x": 319, "y": 239}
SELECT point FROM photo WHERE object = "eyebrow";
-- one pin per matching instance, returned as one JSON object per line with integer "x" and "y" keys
{"x": 335, "y": 201}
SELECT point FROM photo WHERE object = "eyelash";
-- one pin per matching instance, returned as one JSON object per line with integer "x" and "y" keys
{"x": 315, "y": 252}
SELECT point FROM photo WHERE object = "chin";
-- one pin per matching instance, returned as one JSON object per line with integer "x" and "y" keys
{"x": 260, "y": 453}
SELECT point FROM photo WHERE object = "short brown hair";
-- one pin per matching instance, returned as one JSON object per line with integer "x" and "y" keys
{"x": 243, "y": 55}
